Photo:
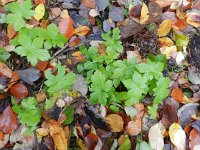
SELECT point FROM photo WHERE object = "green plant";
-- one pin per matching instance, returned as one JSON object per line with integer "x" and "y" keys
{"x": 4, "y": 55}
{"x": 60, "y": 81}
{"x": 19, "y": 12}
{"x": 152, "y": 110}
{"x": 28, "y": 112}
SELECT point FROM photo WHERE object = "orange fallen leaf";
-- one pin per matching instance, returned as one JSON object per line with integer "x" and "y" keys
{"x": 116, "y": 122}
{"x": 177, "y": 94}
{"x": 5, "y": 71}
{"x": 164, "y": 28}
{"x": 66, "y": 27}
{"x": 89, "y": 3}
{"x": 81, "y": 30}
{"x": 10, "y": 31}
{"x": 42, "y": 65}
{"x": 91, "y": 140}
{"x": 19, "y": 90}
{"x": 8, "y": 121}
{"x": 79, "y": 56}
{"x": 37, "y": 2}
{"x": 180, "y": 25}
{"x": 75, "y": 42}
{"x": 1, "y": 136}
{"x": 165, "y": 41}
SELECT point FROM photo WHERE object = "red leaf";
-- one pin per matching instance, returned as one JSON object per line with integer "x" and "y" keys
{"x": 5, "y": 71}
{"x": 91, "y": 141}
{"x": 8, "y": 121}
{"x": 19, "y": 90}
{"x": 66, "y": 27}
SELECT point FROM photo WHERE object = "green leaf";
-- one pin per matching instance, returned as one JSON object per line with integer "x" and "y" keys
{"x": 143, "y": 146}
{"x": 126, "y": 145}
{"x": 29, "y": 114}
{"x": 2, "y": 18}
{"x": 137, "y": 86}
{"x": 181, "y": 39}
{"x": 4, "y": 55}
{"x": 152, "y": 110}
{"x": 32, "y": 49}
{"x": 162, "y": 89}
{"x": 69, "y": 112}
{"x": 100, "y": 88}
{"x": 60, "y": 81}
{"x": 19, "y": 13}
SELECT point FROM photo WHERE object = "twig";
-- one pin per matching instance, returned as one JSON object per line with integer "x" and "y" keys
{"x": 36, "y": 141}
{"x": 60, "y": 51}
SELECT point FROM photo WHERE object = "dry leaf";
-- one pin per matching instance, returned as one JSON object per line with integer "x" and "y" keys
{"x": 91, "y": 141}
{"x": 177, "y": 94}
{"x": 66, "y": 27}
{"x": 39, "y": 12}
{"x": 64, "y": 14}
{"x": 8, "y": 121}
{"x": 42, "y": 131}
{"x": 4, "y": 141}
{"x": 41, "y": 96}
{"x": 164, "y": 28}
{"x": 164, "y": 3}
{"x": 144, "y": 14}
{"x": 165, "y": 41}
{"x": 19, "y": 90}
{"x": 79, "y": 56}
{"x": 156, "y": 138}
{"x": 55, "y": 12}
{"x": 194, "y": 143}
{"x": 177, "y": 136}
{"x": 3, "y": 2}
{"x": 75, "y": 42}
{"x": 116, "y": 122}
{"x": 81, "y": 30}
{"x": 168, "y": 50}
{"x": 180, "y": 24}
{"x": 134, "y": 127}
{"x": 1, "y": 136}
{"x": 10, "y": 31}
{"x": 89, "y": 3}
{"x": 5, "y": 71}
{"x": 194, "y": 19}
{"x": 37, "y": 2}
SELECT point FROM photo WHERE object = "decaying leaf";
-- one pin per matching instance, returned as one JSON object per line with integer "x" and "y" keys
{"x": 5, "y": 71}
{"x": 177, "y": 94}
{"x": 164, "y": 28}
{"x": 4, "y": 141}
{"x": 177, "y": 136}
{"x": 144, "y": 14}
{"x": 116, "y": 122}
{"x": 81, "y": 30}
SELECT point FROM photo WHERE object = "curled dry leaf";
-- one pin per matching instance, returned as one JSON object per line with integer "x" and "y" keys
{"x": 177, "y": 94}
{"x": 116, "y": 122}
{"x": 81, "y": 30}
{"x": 177, "y": 136}
{"x": 39, "y": 12}
{"x": 5, "y": 71}
{"x": 164, "y": 28}
{"x": 194, "y": 143}
{"x": 144, "y": 14}
{"x": 19, "y": 90}
{"x": 194, "y": 19}
{"x": 156, "y": 138}
{"x": 66, "y": 27}
{"x": 8, "y": 121}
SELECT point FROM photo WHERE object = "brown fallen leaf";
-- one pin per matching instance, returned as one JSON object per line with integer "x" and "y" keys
{"x": 194, "y": 19}
{"x": 89, "y": 3}
{"x": 134, "y": 127}
{"x": 37, "y": 2}
{"x": 75, "y": 42}
{"x": 19, "y": 90}
{"x": 66, "y": 27}
{"x": 78, "y": 56}
{"x": 177, "y": 94}
{"x": 41, "y": 96}
{"x": 164, "y": 3}
{"x": 144, "y": 14}
{"x": 116, "y": 122}
{"x": 42, "y": 65}
{"x": 4, "y": 141}
{"x": 11, "y": 31}
{"x": 8, "y": 121}
{"x": 194, "y": 143}
{"x": 81, "y": 30}
{"x": 5, "y": 71}
{"x": 164, "y": 28}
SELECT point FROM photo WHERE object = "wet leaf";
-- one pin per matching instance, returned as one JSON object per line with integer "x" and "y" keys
{"x": 156, "y": 138}
{"x": 144, "y": 14}
{"x": 8, "y": 121}
{"x": 39, "y": 12}
{"x": 194, "y": 143}
{"x": 177, "y": 94}
{"x": 177, "y": 136}
{"x": 66, "y": 27}
{"x": 19, "y": 90}
{"x": 164, "y": 28}
{"x": 116, "y": 122}
{"x": 5, "y": 71}
{"x": 81, "y": 30}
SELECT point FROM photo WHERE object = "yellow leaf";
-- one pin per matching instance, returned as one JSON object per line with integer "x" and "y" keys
{"x": 116, "y": 122}
{"x": 165, "y": 41}
{"x": 144, "y": 14}
{"x": 177, "y": 136}
{"x": 82, "y": 30}
{"x": 164, "y": 28}
{"x": 193, "y": 19}
{"x": 42, "y": 131}
{"x": 39, "y": 12}
{"x": 168, "y": 50}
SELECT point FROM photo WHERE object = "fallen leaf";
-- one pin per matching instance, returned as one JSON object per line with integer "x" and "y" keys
{"x": 126, "y": 144}
{"x": 1, "y": 136}
{"x": 113, "y": 10}
{"x": 58, "y": 135}
{"x": 89, "y": 3}
{"x": 164, "y": 28}
{"x": 5, "y": 1}
{"x": 19, "y": 90}
{"x": 42, "y": 131}
{"x": 4, "y": 141}
{"x": 91, "y": 141}
{"x": 156, "y": 138}
{"x": 194, "y": 76}
{"x": 135, "y": 10}
{"x": 66, "y": 27}
{"x": 11, "y": 31}
{"x": 164, "y": 3}
{"x": 177, "y": 94}
{"x": 37, "y": 2}
{"x": 75, "y": 42}
{"x": 42, "y": 65}
{"x": 116, "y": 122}
{"x": 144, "y": 14}
{"x": 80, "y": 85}
{"x": 8, "y": 121}
{"x": 196, "y": 4}
{"x": 176, "y": 4}
{"x": 41, "y": 96}
{"x": 39, "y": 12}
{"x": 194, "y": 19}
{"x": 168, "y": 50}
{"x": 177, "y": 136}
{"x": 165, "y": 41}
{"x": 194, "y": 143}
{"x": 78, "y": 56}
{"x": 64, "y": 14}
{"x": 55, "y": 12}
{"x": 134, "y": 127}
{"x": 81, "y": 30}
{"x": 5, "y": 71}
{"x": 180, "y": 25}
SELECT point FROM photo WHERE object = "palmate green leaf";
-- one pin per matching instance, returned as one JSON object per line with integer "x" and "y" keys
{"x": 137, "y": 86}
{"x": 29, "y": 114}
{"x": 100, "y": 88}
{"x": 19, "y": 12}
{"x": 4, "y": 55}
{"x": 32, "y": 49}
{"x": 162, "y": 89}
{"x": 60, "y": 81}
